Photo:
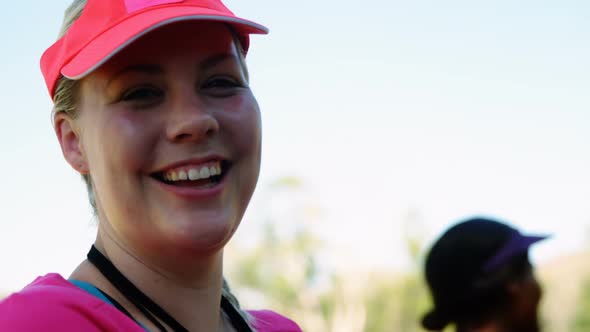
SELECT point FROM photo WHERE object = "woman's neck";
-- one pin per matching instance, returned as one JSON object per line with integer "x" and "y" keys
{"x": 178, "y": 292}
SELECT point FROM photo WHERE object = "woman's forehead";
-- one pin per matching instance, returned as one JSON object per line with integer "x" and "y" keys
{"x": 195, "y": 39}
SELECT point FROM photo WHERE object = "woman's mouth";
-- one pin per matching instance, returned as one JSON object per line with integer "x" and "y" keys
{"x": 204, "y": 175}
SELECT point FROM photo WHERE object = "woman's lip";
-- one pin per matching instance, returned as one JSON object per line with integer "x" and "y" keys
{"x": 191, "y": 193}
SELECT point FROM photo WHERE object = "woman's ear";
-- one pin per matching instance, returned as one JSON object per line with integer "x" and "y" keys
{"x": 69, "y": 138}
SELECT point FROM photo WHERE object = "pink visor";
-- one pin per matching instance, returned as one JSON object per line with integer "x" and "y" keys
{"x": 107, "y": 26}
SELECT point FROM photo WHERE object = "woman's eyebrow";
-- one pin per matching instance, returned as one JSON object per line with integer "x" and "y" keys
{"x": 216, "y": 59}
{"x": 139, "y": 68}
{"x": 153, "y": 69}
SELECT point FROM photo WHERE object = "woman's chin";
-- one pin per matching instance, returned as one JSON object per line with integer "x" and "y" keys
{"x": 207, "y": 235}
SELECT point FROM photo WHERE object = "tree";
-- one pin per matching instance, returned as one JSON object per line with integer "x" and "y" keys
{"x": 396, "y": 302}
{"x": 581, "y": 322}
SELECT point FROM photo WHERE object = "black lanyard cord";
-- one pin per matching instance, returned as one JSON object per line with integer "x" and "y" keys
{"x": 132, "y": 293}
{"x": 123, "y": 310}
{"x": 146, "y": 305}
{"x": 238, "y": 322}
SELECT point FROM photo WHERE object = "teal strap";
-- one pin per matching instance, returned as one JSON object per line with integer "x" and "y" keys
{"x": 90, "y": 288}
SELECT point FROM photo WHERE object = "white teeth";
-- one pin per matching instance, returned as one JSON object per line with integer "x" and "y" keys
{"x": 204, "y": 173}
{"x": 193, "y": 174}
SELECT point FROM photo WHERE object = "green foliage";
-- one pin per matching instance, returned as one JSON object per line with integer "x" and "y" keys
{"x": 581, "y": 321}
{"x": 280, "y": 267}
{"x": 283, "y": 270}
{"x": 382, "y": 302}
{"x": 397, "y": 303}
{"x": 290, "y": 182}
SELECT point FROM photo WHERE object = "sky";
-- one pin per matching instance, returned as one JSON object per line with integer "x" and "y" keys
{"x": 383, "y": 109}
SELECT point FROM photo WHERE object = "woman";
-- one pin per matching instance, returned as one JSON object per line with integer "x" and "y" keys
{"x": 480, "y": 278}
{"x": 153, "y": 108}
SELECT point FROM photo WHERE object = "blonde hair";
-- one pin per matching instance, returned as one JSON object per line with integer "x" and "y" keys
{"x": 66, "y": 100}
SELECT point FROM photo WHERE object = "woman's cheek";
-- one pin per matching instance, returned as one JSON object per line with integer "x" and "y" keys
{"x": 245, "y": 125}
{"x": 134, "y": 139}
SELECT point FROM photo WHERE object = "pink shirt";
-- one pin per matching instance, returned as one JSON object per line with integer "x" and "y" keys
{"x": 51, "y": 303}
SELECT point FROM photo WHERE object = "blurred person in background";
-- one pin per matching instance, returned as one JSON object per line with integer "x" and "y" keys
{"x": 152, "y": 106}
{"x": 481, "y": 279}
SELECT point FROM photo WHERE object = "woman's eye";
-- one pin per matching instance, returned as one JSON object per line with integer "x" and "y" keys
{"x": 221, "y": 86}
{"x": 142, "y": 94}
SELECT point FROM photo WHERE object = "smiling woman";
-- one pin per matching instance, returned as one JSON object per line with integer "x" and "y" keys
{"x": 153, "y": 109}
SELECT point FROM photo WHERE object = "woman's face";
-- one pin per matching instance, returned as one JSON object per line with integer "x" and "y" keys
{"x": 171, "y": 135}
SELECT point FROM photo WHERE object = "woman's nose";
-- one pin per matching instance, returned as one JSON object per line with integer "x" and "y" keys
{"x": 191, "y": 119}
